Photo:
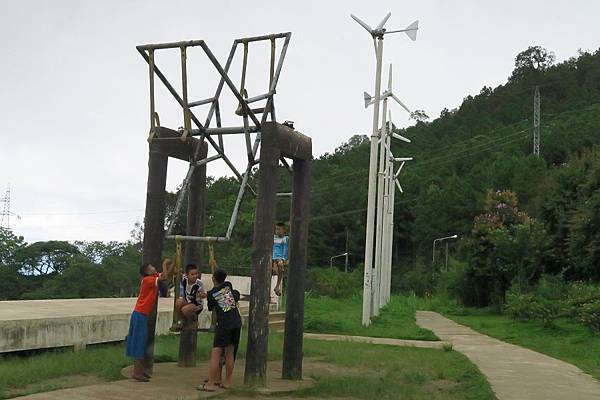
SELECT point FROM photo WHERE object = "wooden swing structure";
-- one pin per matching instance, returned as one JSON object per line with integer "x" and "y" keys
{"x": 278, "y": 143}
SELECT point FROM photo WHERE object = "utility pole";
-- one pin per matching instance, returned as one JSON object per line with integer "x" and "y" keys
{"x": 346, "y": 261}
{"x": 536, "y": 122}
{"x": 5, "y": 221}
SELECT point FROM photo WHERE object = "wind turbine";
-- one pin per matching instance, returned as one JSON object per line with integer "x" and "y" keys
{"x": 377, "y": 35}
{"x": 380, "y": 276}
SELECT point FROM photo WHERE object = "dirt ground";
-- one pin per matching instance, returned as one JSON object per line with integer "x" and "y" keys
{"x": 173, "y": 383}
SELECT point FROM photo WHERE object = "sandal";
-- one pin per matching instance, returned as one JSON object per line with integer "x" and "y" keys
{"x": 216, "y": 383}
{"x": 203, "y": 388}
{"x": 140, "y": 378}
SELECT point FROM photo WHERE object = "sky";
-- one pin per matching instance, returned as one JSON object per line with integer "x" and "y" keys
{"x": 74, "y": 98}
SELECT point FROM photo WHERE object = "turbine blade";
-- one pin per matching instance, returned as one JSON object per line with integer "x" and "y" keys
{"x": 362, "y": 23}
{"x": 400, "y": 137}
{"x": 401, "y": 103}
{"x": 383, "y": 21}
{"x": 368, "y": 99}
{"x": 411, "y": 30}
{"x": 399, "y": 187}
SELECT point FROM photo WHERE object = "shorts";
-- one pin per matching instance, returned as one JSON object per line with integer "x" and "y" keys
{"x": 137, "y": 337}
{"x": 275, "y": 270}
{"x": 226, "y": 337}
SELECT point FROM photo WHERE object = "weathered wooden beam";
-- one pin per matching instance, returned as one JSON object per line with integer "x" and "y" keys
{"x": 174, "y": 147}
{"x": 292, "y": 144}
{"x": 196, "y": 210}
{"x": 294, "y": 309}
{"x": 154, "y": 221}
{"x": 258, "y": 327}
{"x": 188, "y": 338}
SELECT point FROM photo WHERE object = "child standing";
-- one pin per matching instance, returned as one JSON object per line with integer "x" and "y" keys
{"x": 227, "y": 332}
{"x": 191, "y": 292}
{"x": 138, "y": 326}
{"x": 280, "y": 254}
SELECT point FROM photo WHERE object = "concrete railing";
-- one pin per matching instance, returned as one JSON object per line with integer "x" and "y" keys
{"x": 38, "y": 324}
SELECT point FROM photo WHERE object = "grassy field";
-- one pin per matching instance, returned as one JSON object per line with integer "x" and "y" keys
{"x": 566, "y": 341}
{"x": 344, "y": 316}
{"x": 364, "y": 370}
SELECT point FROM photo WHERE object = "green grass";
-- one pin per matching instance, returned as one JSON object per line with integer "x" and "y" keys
{"x": 364, "y": 370}
{"x": 344, "y": 316}
{"x": 567, "y": 341}
{"x": 387, "y": 372}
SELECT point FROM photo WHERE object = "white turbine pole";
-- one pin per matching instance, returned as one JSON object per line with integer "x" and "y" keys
{"x": 389, "y": 207}
{"x": 379, "y": 242}
{"x": 390, "y": 236}
{"x": 382, "y": 200}
{"x": 367, "y": 289}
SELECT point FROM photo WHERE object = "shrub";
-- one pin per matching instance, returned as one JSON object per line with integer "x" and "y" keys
{"x": 333, "y": 283}
{"x": 579, "y": 294}
{"x": 547, "y": 310}
{"x": 520, "y": 306}
{"x": 589, "y": 315}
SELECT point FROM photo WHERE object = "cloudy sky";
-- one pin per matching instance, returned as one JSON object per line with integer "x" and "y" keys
{"x": 74, "y": 91}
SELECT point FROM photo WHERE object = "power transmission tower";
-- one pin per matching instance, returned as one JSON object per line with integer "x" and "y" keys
{"x": 5, "y": 221}
{"x": 536, "y": 122}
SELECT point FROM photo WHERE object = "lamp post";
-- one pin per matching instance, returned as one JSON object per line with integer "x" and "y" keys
{"x": 339, "y": 255}
{"x": 440, "y": 240}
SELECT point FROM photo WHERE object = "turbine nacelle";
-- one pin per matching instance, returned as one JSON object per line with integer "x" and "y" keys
{"x": 379, "y": 30}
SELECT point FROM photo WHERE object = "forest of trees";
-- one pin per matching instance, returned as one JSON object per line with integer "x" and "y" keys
{"x": 518, "y": 217}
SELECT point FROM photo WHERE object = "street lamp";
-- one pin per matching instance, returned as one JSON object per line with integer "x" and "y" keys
{"x": 441, "y": 240}
{"x": 339, "y": 255}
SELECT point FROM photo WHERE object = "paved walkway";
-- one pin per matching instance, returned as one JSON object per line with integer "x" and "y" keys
{"x": 515, "y": 373}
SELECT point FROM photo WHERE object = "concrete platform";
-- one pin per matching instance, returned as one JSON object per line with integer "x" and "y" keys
{"x": 40, "y": 324}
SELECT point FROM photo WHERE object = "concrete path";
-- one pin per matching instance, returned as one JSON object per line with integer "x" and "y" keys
{"x": 515, "y": 373}
{"x": 376, "y": 340}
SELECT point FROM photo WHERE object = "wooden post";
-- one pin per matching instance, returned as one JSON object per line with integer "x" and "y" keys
{"x": 195, "y": 210}
{"x": 188, "y": 338}
{"x": 258, "y": 328}
{"x": 294, "y": 311}
{"x": 154, "y": 232}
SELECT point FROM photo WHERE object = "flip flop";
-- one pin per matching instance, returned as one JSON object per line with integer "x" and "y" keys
{"x": 140, "y": 378}
{"x": 216, "y": 383}
{"x": 203, "y": 388}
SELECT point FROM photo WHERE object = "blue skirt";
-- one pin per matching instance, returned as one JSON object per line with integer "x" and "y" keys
{"x": 138, "y": 336}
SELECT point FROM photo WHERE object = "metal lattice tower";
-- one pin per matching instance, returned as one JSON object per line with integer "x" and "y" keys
{"x": 536, "y": 122}
{"x": 5, "y": 221}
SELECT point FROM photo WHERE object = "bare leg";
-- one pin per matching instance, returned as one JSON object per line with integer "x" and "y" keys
{"x": 215, "y": 357}
{"x": 188, "y": 312}
{"x": 229, "y": 364}
{"x": 278, "y": 266}
{"x": 138, "y": 371}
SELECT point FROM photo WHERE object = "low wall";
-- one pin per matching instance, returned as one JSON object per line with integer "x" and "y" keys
{"x": 39, "y": 324}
